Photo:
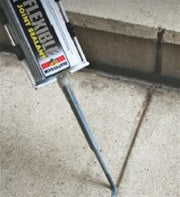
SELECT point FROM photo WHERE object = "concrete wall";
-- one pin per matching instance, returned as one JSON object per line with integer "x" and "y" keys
{"x": 118, "y": 50}
{"x": 171, "y": 54}
{"x": 171, "y": 61}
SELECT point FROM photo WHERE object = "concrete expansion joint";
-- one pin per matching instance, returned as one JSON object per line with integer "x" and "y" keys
{"x": 145, "y": 107}
{"x": 160, "y": 38}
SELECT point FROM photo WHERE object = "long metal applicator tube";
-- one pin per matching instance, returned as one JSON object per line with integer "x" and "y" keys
{"x": 68, "y": 92}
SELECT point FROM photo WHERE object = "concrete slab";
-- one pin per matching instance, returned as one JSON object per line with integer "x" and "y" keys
{"x": 42, "y": 150}
{"x": 151, "y": 14}
{"x": 154, "y": 166}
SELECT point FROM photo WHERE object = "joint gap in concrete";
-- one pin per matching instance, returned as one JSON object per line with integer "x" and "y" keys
{"x": 158, "y": 64}
{"x": 145, "y": 107}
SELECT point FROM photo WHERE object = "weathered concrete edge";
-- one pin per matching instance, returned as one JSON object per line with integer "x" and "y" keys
{"x": 123, "y": 28}
{"x": 171, "y": 37}
{"x": 112, "y": 26}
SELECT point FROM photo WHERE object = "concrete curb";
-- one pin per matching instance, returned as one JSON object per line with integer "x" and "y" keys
{"x": 131, "y": 46}
{"x": 170, "y": 54}
{"x": 112, "y": 26}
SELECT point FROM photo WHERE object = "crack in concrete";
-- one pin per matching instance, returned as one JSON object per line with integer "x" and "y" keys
{"x": 158, "y": 64}
{"x": 145, "y": 107}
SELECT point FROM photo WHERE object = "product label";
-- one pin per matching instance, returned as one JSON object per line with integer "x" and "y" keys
{"x": 41, "y": 36}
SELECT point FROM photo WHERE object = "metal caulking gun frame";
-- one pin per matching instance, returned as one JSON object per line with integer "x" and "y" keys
{"x": 64, "y": 84}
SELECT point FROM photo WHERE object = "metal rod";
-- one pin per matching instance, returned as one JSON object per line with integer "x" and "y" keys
{"x": 68, "y": 92}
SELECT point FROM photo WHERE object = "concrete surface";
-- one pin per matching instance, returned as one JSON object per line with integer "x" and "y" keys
{"x": 148, "y": 13}
{"x": 134, "y": 19}
{"x": 171, "y": 37}
{"x": 42, "y": 150}
{"x": 154, "y": 167}
{"x": 171, "y": 60}
{"x": 170, "y": 54}
{"x": 118, "y": 50}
